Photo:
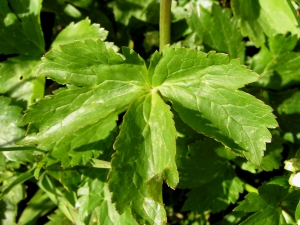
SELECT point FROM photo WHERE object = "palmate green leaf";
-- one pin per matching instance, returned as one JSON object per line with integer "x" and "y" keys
{"x": 147, "y": 10}
{"x": 257, "y": 17}
{"x": 79, "y": 32}
{"x": 145, "y": 155}
{"x": 20, "y": 31}
{"x": 212, "y": 179}
{"x": 104, "y": 83}
{"x": 278, "y": 63}
{"x": 107, "y": 81}
{"x": 269, "y": 205}
{"x": 218, "y": 31}
{"x": 94, "y": 202}
{"x": 202, "y": 89}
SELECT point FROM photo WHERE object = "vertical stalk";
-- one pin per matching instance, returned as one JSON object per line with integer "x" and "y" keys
{"x": 294, "y": 11}
{"x": 164, "y": 23}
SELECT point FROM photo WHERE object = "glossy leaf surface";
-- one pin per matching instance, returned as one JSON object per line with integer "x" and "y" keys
{"x": 102, "y": 84}
{"x": 79, "y": 32}
{"x": 145, "y": 155}
{"x": 105, "y": 85}
{"x": 211, "y": 105}
{"x": 72, "y": 150}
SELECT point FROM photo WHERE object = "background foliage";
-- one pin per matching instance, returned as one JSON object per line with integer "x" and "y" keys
{"x": 126, "y": 135}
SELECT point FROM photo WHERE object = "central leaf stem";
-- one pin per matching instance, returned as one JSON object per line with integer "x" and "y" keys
{"x": 164, "y": 23}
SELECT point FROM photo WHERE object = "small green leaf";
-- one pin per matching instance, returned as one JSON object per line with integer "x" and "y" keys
{"x": 280, "y": 180}
{"x": 93, "y": 191}
{"x": 277, "y": 64}
{"x": 95, "y": 200}
{"x": 58, "y": 218}
{"x": 20, "y": 30}
{"x": 147, "y": 10}
{"x": 218, "y": 30}
{"x": 11, "y": 131}
{"x": 79, "y": 32}
{"x": 17, "y": 80}
{"x": 269, "y": 204}
{"x": 145, "y": 155}
{"x": 247, "y": 11}
{"x": 65, "y": 12}
{"x": 257, "y": 16}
